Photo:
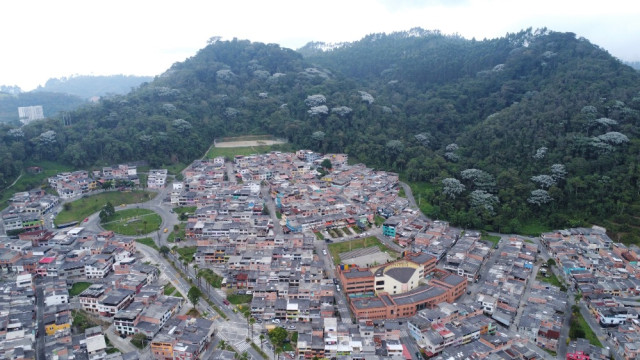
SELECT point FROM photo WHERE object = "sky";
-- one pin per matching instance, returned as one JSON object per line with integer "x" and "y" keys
{"x": 44, "y": 39}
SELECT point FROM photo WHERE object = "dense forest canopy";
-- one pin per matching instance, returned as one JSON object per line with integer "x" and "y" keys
{"x": 533, "y": 125}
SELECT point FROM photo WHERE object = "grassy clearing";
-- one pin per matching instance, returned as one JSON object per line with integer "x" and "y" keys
{"x": 133, "y": 222}
{"x": 337, "y": 248}
{"x": 552, "y": 279}
{"x": 78, "y": 287}
{"x": 236, "y": 299}
{"x": 533, "y": 229}
{"x": 246, "y": 138}
{"x": 580, "y": 329}
{"x": 490, "y": 238}
{"x": 177, "y": 234}
{"x": 81, "y": 208}
{"x": 185, "y": 210}
{"x": 149, "y": 242}
{"x": 379, "y": 220}
{"x": 247, "y": 150}
{"x": 319, "y": 235}
{"x": 186, "y": 253}
{"x": 82, "y": 320}
{"x": 212, "y": 278}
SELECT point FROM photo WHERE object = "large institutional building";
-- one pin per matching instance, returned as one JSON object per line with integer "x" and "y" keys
{"x": 27, "y": 114}
{"x": 393, "y": 290}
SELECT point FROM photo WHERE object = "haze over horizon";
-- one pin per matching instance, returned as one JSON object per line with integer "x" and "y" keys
{"x": 53, "y": 40}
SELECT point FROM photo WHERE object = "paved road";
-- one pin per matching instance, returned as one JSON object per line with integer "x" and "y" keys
{"x": 339, "y": 296}
{"x": 271, "y": 206}
{"x": 236, "y": 325}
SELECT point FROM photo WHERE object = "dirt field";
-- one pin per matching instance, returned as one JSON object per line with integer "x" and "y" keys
{"x": 233, "y": 144}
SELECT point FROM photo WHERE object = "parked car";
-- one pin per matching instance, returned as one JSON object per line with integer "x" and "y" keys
{"x": 291, "y": 327}
{"x": 225, "y": 301}
{"x": 275, "y": 321}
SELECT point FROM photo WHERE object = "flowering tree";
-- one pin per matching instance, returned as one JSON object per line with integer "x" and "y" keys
{"x": 540, "y": 153}
{"x": 341, "y": 110}
{"x": 558, "y": 171}
{"x": 366, "y": 97}
{"x": 539, "y": 197}
{"x": 225, "y": 75}
{"x": 424, "y": 138}
{"x": 315, "y": 100}
{"x": 452, "y": 147}
{"x": 452, "y": 187}
{"x": 318, "y": 110}
{"x": 480, "y": 179}
{"x": 544, "y": 181}
{"x": 15, "y": 133}
{"x": 182, "y": 126}
{"x": 613, "y": 138}
{"x": 168, "y": 108}
{"x": 483, "y": 201}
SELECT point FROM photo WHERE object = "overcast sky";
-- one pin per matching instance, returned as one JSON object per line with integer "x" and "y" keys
{"x": 42, "y": 39}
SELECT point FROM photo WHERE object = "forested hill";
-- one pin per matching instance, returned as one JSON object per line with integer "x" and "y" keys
{"x": 534, "y": 125}
{"x": 88, "y": 86}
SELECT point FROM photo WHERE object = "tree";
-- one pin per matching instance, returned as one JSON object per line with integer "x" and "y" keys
{"x": 107, "y": 212}
{"x": 278, "y": 336}
{"x": 164, "y": 250}
{"x": 261, "y": 342}
{"x": 326, "y": 163}
{"x": 452, "y": 187}
{"x": 194, "y": 295}
{"x": 551, "y": 262}
{"x": 539, "y": 197}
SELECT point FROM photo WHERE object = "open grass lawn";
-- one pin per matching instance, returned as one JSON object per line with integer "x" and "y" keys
{"x": 186, "y": 253}
{"x": 337, "y": 248}
{"x": 236, "y": 299}
{"x": 379, "y": 220}
{"x": 533, "y": 229}
{"x": 149, "y": 242}
{"x": 319, "y": 235}
{"x": 185, "y": 210}
{"x": 177, "y": 234}
{"x": 78, "y": 287}
{"x": 491, "y": 238}
{"x": 30, "y": 181}
{"x": 133, "y": 222}
{"x": 81, "y": 208}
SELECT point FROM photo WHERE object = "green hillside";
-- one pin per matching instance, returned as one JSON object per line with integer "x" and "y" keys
{"x": 535, "y": 129}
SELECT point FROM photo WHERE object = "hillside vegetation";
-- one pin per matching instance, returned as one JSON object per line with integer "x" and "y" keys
{"x": 534, "y": 129}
